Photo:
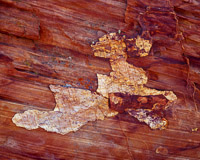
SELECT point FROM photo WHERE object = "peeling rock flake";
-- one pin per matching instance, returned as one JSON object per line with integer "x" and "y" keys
{"x": 75, "y": 107}
{"x": 126, "y": 78}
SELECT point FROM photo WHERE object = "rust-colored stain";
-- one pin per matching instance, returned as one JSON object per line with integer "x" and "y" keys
{"x": 148, "y": 109}
{"x": 120, "y": 102}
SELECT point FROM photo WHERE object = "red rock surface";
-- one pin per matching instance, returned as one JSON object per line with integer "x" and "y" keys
{"x": 48, "y": 42}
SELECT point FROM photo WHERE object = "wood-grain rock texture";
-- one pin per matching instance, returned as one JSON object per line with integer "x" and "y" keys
{"x": 48, "y": 42}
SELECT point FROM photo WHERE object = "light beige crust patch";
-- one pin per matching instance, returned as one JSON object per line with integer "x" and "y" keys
{"x": 74, "y": 108}
{"x": 153, "y": 120}
{"x": 126, "y": 78}
{"x": 74, "y": 100}
{"x": 143, "y": 45}
{"x": 110, "y": 46}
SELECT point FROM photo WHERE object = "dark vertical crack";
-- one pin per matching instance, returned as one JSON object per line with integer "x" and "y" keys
{"x": 127, "y": 141}
{"x": 126, "y": 3}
